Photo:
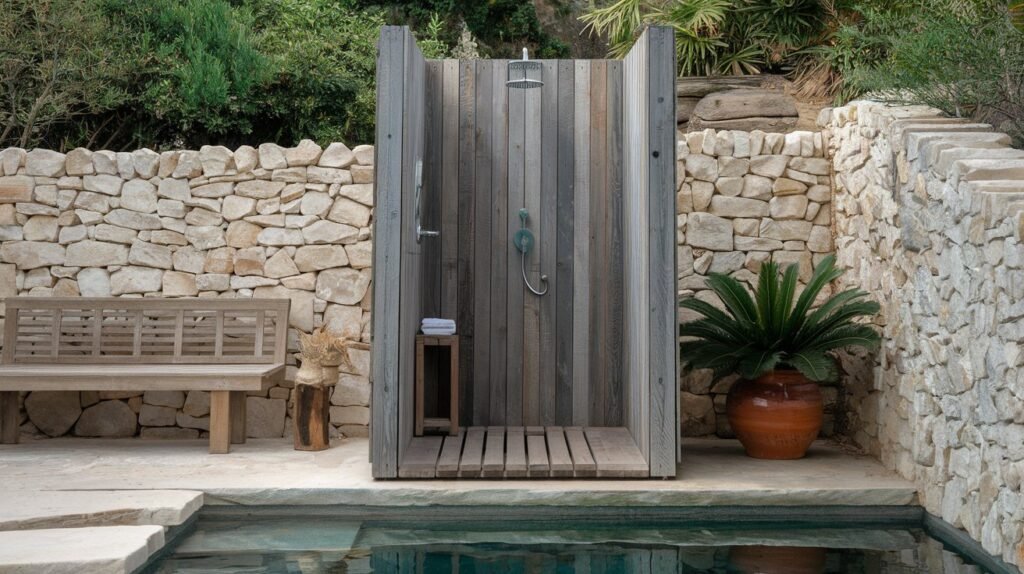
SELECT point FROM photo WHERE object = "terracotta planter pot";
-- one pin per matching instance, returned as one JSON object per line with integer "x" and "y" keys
{"x": 777, "y": 416}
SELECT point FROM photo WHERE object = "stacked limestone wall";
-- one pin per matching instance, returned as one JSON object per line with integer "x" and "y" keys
{"x": 744, "y": 198}
{"x": 929, "y": 217}
{"x": 266, "y": 222}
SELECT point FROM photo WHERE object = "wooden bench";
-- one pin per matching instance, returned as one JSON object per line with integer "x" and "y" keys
{"x": 225, "y": 346}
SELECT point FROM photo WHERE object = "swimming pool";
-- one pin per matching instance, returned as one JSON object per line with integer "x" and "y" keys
{"x": 434, "y": 541}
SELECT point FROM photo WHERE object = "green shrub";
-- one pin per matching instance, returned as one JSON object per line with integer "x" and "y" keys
{"x": 201, "y": 70}
{"x": 323, "y": 57}
{"x": 964, "y": 58}
{"x": 123, "y": 74}
{"x": 63, "y": 64}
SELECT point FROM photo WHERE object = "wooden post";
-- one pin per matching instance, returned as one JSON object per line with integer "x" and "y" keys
{"x": 220, "y": 422}
{"x": 312, "y": 417}
{"x": 9, "y": 417}
{"x": 238, "y": 420}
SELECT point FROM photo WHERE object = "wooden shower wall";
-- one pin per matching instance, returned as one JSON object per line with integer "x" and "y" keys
{"x": 556, "y": 151}
{"x": 591, "y": 155}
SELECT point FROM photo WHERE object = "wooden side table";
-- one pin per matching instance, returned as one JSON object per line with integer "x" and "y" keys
{"x": 451, "y": 424}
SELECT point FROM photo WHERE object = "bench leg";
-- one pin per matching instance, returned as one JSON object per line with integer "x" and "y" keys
{"x": 9, "y": 416}
{"x": 220, "y": 422}
{"x": 238, "y": 417}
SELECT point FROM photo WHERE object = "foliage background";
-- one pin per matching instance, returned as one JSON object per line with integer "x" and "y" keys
{"x": 965, "y": 57}
{"x": 123, "y": 74}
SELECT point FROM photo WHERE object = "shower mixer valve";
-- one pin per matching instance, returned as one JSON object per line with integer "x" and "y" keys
{"x": 523, "y": 240}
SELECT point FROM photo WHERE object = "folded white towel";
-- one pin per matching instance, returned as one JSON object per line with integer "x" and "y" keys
{"x": 429, "y": 331}
{"x": 438, "y": 322}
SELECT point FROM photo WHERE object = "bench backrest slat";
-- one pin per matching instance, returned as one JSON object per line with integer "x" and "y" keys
{"x": 125, "y": 331}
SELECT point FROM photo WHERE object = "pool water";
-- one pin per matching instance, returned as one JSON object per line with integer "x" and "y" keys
{"x": 318, "y": 544}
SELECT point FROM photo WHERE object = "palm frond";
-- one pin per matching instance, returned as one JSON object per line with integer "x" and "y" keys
{"x": 722, "y": 359}
{"x": 815, "y": 365}
{"x": 719, "y": 318}
{"x": 824, "y": 274}
{"x": 738, "y": 302}
{"x": 1017, "y": 14}
{"x": 845, "y": 336}
{"x": 706, "y": 330}
{"x": 755, "y": 364}
{"x": 843, "y": 315}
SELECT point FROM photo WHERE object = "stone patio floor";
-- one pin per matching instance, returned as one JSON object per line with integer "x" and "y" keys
{"x": 76, "y": 490}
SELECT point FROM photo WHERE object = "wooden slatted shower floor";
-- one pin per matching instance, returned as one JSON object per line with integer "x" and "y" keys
{"x": 525, "y": 452}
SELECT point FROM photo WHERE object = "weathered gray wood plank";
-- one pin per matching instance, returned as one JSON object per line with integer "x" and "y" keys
{"x": 387, "y": 251}
{"x": 515, "y": 452}
{"x": 432, "y": 186}
{"x": 409, "y": 308}
{"x": 451, "y": 453}
{"x": 547, "y": 245}
{"x": 515, "y": 311}
{"x": 581, "y": 247}
{"x": 449, "y": 191}
{"x": 615, "y": 452}
{"x": 612, "y": 349}
{"x": 598, "y": 249}
{"x": 558, "y": 452}
{"x": 537, "y": 456}
{"x": 531, "y": 304}
{"x": 467, "y": 200}
{"x": 420, "y": 458}
{"x": 494, "y": 453}
{"x": 499, "y": 244}
{"x": 564, "y": 231}
{"x": 472, "y": 452}
{"x": 483, "y": 133}
{"x": 582, "y": 459}
{"x": 663, "y": 356}
{"x": 635, "y": 238}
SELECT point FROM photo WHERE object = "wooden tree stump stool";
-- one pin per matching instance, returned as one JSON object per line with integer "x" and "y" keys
{"x": 312, "y": 417}
{"x": 321, "y": 355}
{"x": 451, "y": 424}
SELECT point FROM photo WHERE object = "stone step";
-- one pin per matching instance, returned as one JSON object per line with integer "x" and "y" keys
{"x": 82, "y": 508}
{"x": 106, "y": 549}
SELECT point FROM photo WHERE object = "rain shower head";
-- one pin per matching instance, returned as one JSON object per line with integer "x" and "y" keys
{"x": 525, "y": 73}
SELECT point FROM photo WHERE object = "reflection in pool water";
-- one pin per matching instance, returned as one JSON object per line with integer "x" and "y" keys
{"x": 312, "y": 545}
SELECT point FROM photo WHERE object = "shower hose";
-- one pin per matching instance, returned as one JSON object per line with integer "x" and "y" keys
{"x": 523, "y": 241}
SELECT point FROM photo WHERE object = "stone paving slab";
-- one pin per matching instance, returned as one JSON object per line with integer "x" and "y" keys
{"x": 90, "y": 550}
{"x": 27, "y": 510}
{"x": 270, "y": 472}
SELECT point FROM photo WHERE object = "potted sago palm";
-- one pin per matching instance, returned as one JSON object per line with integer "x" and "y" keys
{"x": 781, "y": 346}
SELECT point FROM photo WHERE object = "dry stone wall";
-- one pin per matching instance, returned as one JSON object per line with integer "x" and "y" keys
{"x": 253, "y": 222}
{"x": 744, "y": 198}
{"x": 929, "y": 217}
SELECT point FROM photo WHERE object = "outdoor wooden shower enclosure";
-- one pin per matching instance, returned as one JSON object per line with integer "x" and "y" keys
{"x": 579, "y": 381}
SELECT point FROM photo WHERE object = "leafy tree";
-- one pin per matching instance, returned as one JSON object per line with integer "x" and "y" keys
{"x": 62, "y": 63}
